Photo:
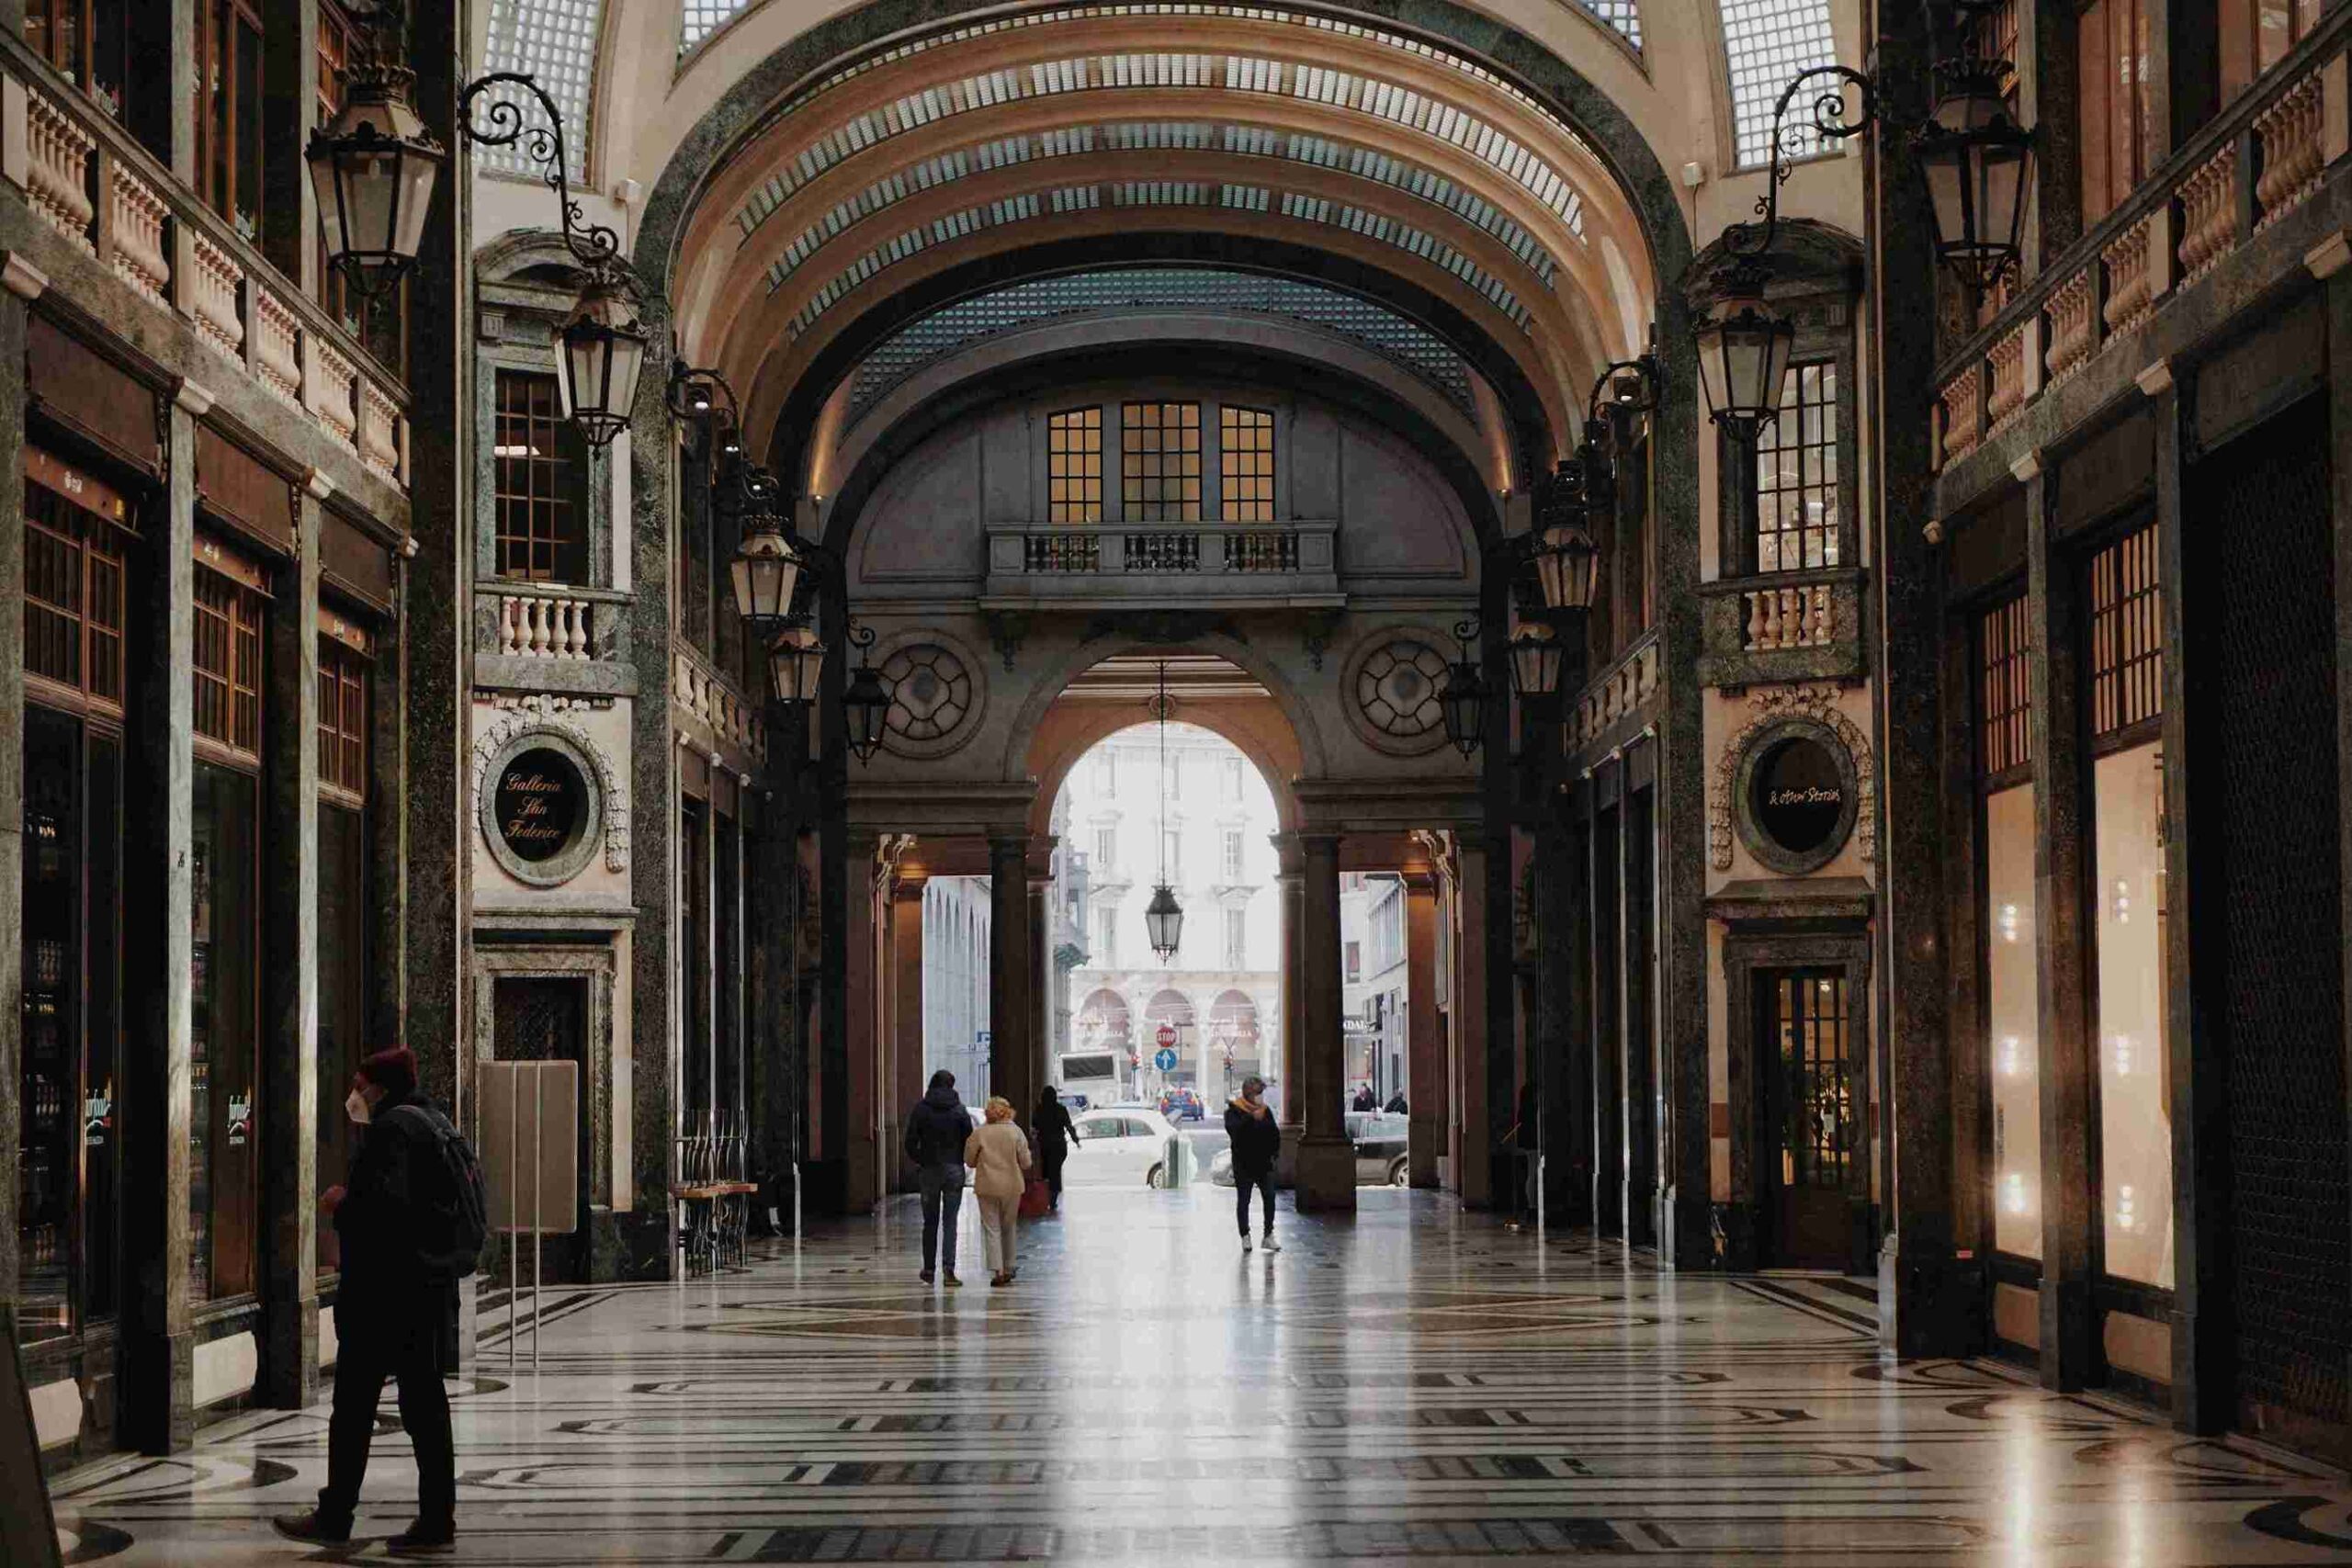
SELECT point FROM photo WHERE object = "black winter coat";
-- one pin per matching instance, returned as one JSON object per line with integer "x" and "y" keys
{"x": 1053, "y": 1128}
{"x": 936, "y": 1129}
{"x": 386, "y": 1302}
{"x": 1257, "y": 1140}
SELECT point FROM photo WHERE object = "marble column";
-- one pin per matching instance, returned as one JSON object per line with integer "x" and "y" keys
{"x": 906, "y": 1020}
{"x": 1325, "y": 1162}
{"x": 777, "y": 1063}
{"x": 1011, "y": 973}
{"x": 1424, "y": 1045}
{"x": 1474, "y": 1169}
{"x": 21, "y": 286}
{"x": 2068, "y": 1064}
{"x": 862, "y": 978}
{"x": 158, "y": 1342}
{"x": 1291, "y": 1094}
{"x": 289, "y": 1057}
{"x": 1042, "y": 1067}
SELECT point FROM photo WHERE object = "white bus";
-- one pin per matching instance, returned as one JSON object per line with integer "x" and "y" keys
{"x": 1088, "y": 1078}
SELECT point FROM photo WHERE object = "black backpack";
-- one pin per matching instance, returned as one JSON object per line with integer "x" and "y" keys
{"x": 454, "y": 1204}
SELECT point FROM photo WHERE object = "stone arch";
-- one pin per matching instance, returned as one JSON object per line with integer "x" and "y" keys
{"x": 1048, "y": 756}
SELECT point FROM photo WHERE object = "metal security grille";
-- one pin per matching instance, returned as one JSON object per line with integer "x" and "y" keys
{"x": 2273, "y": 973}
{"x": 2127, "y": 635}
{"x": 1074, "y": 465}
{"x": 1159, "y": 446}
{"x": 542, "y": 1020}
{"x": 2004, "y": 651}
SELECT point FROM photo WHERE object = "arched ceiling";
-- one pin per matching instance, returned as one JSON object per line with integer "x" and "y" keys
{"x": 1344, "y": 150}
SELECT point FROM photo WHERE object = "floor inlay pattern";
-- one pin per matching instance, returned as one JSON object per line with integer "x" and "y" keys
{"x": 1416, "y": 1383}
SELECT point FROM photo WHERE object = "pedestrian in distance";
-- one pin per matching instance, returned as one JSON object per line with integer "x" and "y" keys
{"x": 998, "y": 1156}
{"x": 936, "y": 1131}
{"x": 412, "y": 1219}
{"x": 1257, "y": 1143}
{"x": 1396, "y": 1105}
{"x": 1364, "y": 1099}
{"x": 1057, "y": 1136}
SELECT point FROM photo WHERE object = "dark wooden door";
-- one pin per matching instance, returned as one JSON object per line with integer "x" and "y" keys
{"x": 1806, "y": 1073}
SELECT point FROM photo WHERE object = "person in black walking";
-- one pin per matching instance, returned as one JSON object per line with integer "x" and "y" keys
{"x": 1257, "y": 1143}
{"x": 395, "y": 1314}
{"x": 1057, "y": 1136}
{"x": 936, "y": 1129}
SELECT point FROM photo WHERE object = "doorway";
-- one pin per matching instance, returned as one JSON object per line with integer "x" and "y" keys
{"x": 544, "y": 1017}
{"x": 1807, "y": 1116}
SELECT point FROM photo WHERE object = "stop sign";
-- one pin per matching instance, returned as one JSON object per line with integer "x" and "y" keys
{"x": 1166, "y": 1034}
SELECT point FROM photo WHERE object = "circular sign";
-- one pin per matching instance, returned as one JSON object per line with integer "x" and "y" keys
{"x": 1165, "y": 1034}
{"x": 539, "y": 801}
{"x": 1797, "y": 794}
{"x": 1165, "y": 1061}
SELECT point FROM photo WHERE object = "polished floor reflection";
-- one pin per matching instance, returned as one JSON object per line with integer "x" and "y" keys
{"x": 1415, "y": 1383}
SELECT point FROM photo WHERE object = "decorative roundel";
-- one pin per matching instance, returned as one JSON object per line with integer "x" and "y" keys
{"x": 1397, "y": 686}
{"x": 930, "y": 693}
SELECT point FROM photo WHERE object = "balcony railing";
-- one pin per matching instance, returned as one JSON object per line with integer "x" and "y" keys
{"x": 1621, "y": 689}
{"x": 705, "y": 697}
{"x": 1190, "y": 563}
{"x": 89, "y": 180}
{"x": 2182, "y": 222}
{"x": 1801, "y": 625}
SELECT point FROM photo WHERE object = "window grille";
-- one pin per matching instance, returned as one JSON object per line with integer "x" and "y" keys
{"x": 1160, "y": 462}
{"x": 228, "y": 663}
{"x": 1074, "y": 465}
{"x": 73, "y": 597}
{"x": 1796, "y": 474}
{"x": 2003, "y": 655}
{"x": 2127, "y": 635}
{"x": 540, "y": 474}
{"x": 1246, "y": 461}
{"x": 343, "y": 719}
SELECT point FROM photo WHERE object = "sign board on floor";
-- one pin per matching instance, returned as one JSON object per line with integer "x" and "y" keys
{"x": 530, "y": 1145}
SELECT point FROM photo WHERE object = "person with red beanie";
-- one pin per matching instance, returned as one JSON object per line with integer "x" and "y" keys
{"x": 394, "y": 1315}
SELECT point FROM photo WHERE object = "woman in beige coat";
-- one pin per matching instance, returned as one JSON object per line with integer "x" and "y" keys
{"x": 997, "y": 1153}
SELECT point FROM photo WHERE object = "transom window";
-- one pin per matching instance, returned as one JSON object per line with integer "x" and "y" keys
{"x": 541, "y": 483}
{"x": 228, "y": 663}
{"x": 343, "y": 719}
{"x": 1246, "y": 463}
{"x": 2127, "y": 635}
{"x": 1160, "y": 462}
{"x": 2005, "y": 648}
{"x": 73, "y": 597}
{"x": 1074, "y": 465}
{"x": 1796, "y": 474}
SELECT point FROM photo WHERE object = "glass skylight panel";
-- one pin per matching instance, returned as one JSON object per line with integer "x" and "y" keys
{"x": 554, "y": 40}
{"x": 1767, "y": 43}
{"x": 699, "y": 18}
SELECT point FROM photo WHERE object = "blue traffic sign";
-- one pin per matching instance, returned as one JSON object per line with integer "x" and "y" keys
{"x": 1164, "y": 1059}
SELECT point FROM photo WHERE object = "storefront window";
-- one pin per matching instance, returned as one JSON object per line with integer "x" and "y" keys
{"x": 71, "y": 911}
{"x": 225, "y": 927}
{"x": 726, "y": 1097}
{"x": 2012, "y": 972}
{"x": 343, "y": 906}
{"x": 2127, "y": 786}
{"x": 693, "y": 947}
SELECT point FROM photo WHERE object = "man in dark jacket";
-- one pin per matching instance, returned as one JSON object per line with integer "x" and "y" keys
{"x": 393, "y": 1317}
{"x": 1056, "y": 1134}
{"x": 1257, "y": 1143}
{"x": 936, "y": 1131}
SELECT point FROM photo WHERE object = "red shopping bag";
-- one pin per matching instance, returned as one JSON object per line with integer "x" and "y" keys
{"x": 1035, "y": 1199}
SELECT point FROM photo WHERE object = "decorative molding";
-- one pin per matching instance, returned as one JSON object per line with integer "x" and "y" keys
{"x": 1815, "y": 703}
{"x": 2327, "y": 258}
{"x": 1398, "y": 671}
{"x": 535, "y": 718}
{"x": 2028, "y": 468}
{"x": 194, "y": 397}
{"x": 20, "y": 278}
{"x": 318, "y": 484}
{"x": 1317, "y": 629}
{"x": 1161, "y": 625}
{"x": 938, "y": 694}
{"x": 2156, "y": 378}
{"x": 1008, "y": 629}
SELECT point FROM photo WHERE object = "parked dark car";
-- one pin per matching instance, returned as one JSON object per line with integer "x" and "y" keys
{"x": 1182, "y": 1105}
{"x": 1379, "y": 1139}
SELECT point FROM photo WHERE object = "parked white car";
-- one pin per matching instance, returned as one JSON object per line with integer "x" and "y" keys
{"x": 1122, "y": 1147}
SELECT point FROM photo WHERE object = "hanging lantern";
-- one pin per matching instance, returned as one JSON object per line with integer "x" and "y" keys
{"x": 796, "y": 663}
{"x": 604, "y": 347}
{"x": 1463, "y": 704}
{"x": 1977, "y": 163}
{"x": 766, "y": 570}
{"x": 865, "y": 710}
{"x": 1567, "y": 567}
{"x": 1164, "y": 921}
{"x": 372, "y": 169}
{"x": 1744, "y": 347}
{"x": 1536, "y": 656}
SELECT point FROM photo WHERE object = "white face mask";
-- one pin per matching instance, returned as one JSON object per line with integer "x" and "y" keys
{"x": 354, "y": 1105}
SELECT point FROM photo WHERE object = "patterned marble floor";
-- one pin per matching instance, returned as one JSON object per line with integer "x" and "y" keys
{"x": 1417, "y": 1383}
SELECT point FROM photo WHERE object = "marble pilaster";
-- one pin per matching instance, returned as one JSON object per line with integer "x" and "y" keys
{"x": 1011, "y": 973}
{"x": 1325, "y": 1175}
{"x": 1425, "y": 1045}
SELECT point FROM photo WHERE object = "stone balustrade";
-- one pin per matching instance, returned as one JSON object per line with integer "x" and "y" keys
{"x": 95, "y": 186}
{"x": 1295, "y": 563}
{"x": 538, "y": 625}
{"x": 1781, "y": 618}
{"x": 1623, "y": 689}
{"x": 57, "y": 172}
{"x": 702, "y": 694}
{"x": 2184, "y": 222}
